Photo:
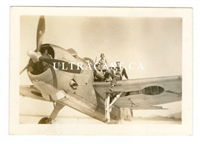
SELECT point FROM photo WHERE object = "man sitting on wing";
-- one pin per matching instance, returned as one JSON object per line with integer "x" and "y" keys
{"x": 120, "y": 72}
{"x": 117, "y": 74}
{"x": 98, "y": 73}
{"x": 103, "y": 63}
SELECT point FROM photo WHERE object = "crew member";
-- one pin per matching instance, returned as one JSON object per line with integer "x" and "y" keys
{"x": 108, "y": 76}
{"x": 98, "y": 73}
{"x": 117, "y": 73}
{"x": 120, "y": 72}
{"x": 103, "y": 63}
{"x": 46, "y": 53}
{"x": 42, "y": 65}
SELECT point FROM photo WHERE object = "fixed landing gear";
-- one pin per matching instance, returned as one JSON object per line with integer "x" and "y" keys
{"x": 48, "y": 120}
{"x": 45, "y": 120}
{"x": 107, "y": 109}
{"x": 108, "y": 105}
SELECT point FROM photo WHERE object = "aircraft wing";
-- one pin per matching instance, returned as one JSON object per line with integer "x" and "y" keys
{"x": 30, "y": 91}
{"x": 144, "y": 93}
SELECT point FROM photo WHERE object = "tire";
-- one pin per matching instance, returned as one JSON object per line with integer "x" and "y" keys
{"x": 45, "y": 120}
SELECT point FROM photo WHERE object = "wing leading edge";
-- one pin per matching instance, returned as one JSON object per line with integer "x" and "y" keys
{"x": 144, "y": 93}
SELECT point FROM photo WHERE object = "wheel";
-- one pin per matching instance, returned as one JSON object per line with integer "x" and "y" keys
{"x": 45, "y": 120}
{"x": 107, "y": 121}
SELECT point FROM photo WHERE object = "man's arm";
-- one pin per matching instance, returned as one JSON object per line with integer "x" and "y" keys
{"x": 124, "y": 73}
{"x": 107, "y": 63}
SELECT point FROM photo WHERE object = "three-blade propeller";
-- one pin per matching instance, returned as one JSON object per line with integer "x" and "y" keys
{"x": 35, "y": 56}
{"x": 39, "y": 39}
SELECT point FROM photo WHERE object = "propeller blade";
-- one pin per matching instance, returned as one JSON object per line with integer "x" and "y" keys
{"x": 64, "y": 66}
{"x": 25, "y": 68}
{"x": 39, "y": 38}
{"x": 30, "y": 63}
{"x": 40, "y": 33}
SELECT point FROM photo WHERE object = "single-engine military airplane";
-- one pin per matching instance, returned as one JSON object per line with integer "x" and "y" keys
{"x": 57, "y": 78}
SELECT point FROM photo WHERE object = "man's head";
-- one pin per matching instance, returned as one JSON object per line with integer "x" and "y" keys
{"x": 46, "y": 51}
{"x": 98, "y": 66}
{"x": 118, "y": 64}
{"x": 102, "y": 55}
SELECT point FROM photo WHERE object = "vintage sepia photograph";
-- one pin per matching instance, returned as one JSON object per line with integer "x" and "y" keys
{"x": 109, "y": 68}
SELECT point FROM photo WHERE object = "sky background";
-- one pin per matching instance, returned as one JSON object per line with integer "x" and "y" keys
{"x": 153, "y": 42}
